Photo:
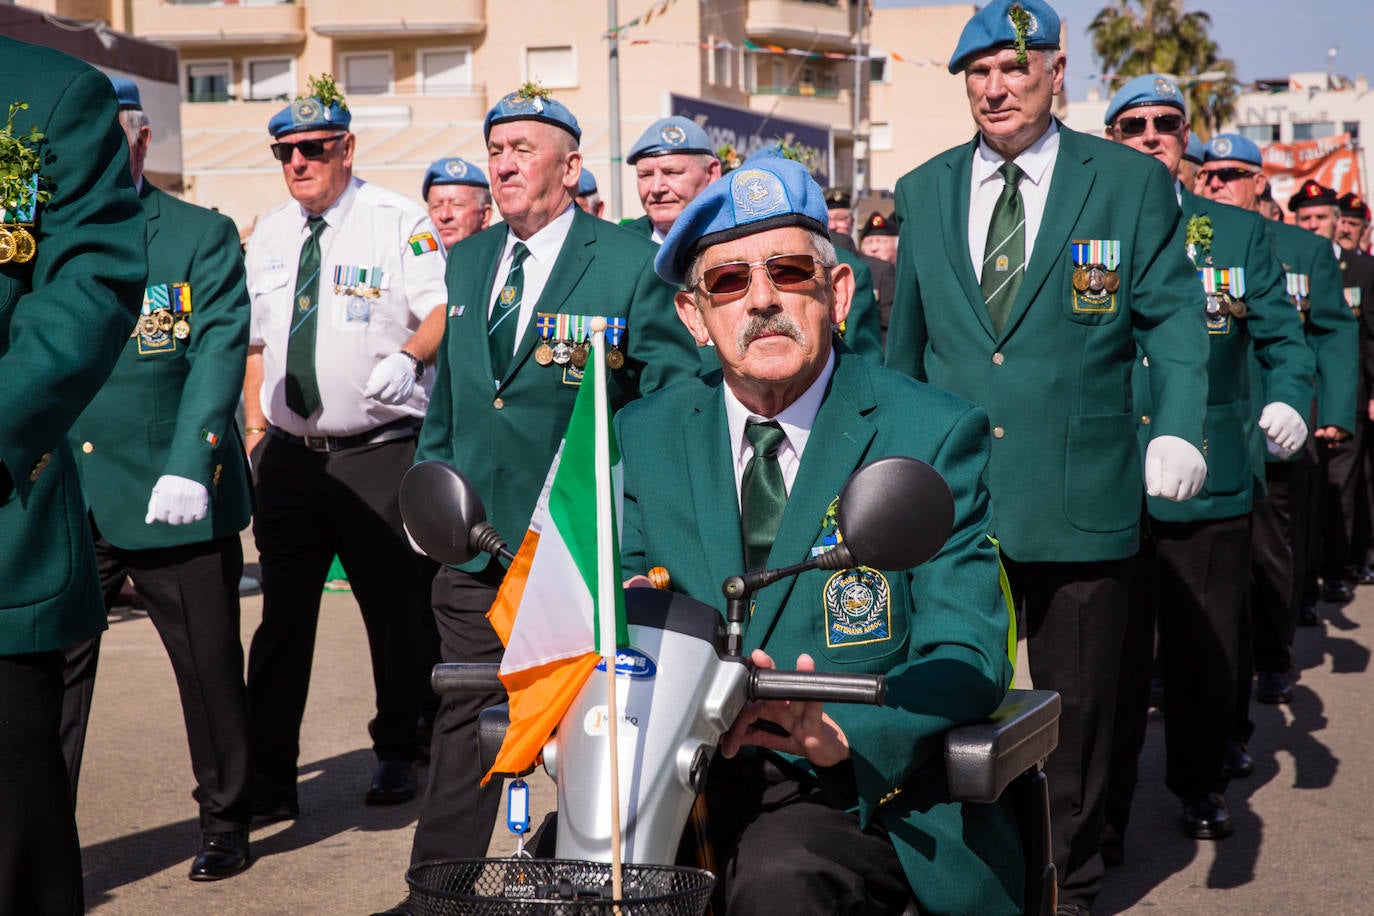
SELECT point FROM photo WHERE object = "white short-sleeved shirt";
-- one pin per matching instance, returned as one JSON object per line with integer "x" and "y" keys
{"x": 374, "y": 240}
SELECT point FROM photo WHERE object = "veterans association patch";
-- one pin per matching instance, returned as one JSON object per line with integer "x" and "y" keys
{"x": 858, "y": 608}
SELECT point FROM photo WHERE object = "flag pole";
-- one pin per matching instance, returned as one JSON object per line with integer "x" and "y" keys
{"x": 607, "y": 581}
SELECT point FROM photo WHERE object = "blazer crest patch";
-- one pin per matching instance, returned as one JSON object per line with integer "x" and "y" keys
{"x": 858, "y": 608}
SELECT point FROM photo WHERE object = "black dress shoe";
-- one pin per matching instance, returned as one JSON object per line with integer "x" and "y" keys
{"x": 1362, "y": 575}
{"x": 405, "y": 908}
{"x": 221, "y": 855}
{"x": 1206, "y": 818}
{"x": 1237, "y": 764}
{"x": 1272, "y": 687}
{"x": 393, "y": 783}
{"x": 1308, "y": 617}
{"x": 1336, "y": 591}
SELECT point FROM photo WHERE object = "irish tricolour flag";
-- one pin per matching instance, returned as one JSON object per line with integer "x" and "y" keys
{"x": 561, "y": 608}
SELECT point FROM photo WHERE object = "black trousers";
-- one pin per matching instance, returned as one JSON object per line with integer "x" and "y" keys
{"x": 1138, "y": 651}
{"x": 40, "y": 855}
{"x": 192, "y": 596}
{"x": 311, "y": 506}
{"x": 458, "y": 813}
{"x": 1075, "y": 622}
{"x": 1338, "y": 480}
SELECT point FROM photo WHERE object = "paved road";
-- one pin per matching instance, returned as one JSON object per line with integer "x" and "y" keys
{"x": 1302, "y": 819}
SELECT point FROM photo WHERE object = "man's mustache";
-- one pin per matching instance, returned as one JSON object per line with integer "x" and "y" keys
{"x": 777, "y": 323}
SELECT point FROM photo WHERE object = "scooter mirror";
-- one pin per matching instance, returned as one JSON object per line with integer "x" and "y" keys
{"x": 895, "y": 513}
{"x": 440, "y": 508}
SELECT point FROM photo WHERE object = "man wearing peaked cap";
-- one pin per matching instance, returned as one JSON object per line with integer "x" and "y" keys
{"x": 1233, "y": 173}
{"x": 1352, "y": 227}
{"x": 588, "y": 195}
{"x": 878, "y": 238}
{"x": 346, "y": 281}
{"x": 503, "y": 393}
{"x": 839, "y": 210}
{"x": 862, "y": 793}
{"x": 673, "y": 162}
{"x": 1201, "y": 608}
{"x": 1019, "y": 256}
{"x": 87, "y": 236}
{"x": 458, "y": 197}
{"x": 167, "y": 488}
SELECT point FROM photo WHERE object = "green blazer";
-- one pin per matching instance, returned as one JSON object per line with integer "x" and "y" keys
{"x": 942, "y": 641}
{"x": 1066, "y": 472}
{"x": 163, "y": 406}
{"x": 504, "y": 437}
{"x": 1272, "y": 330}
{"x": 642, "y": 226}
{"x": 64, "y": 317}
{"x": 1330, "y": 327}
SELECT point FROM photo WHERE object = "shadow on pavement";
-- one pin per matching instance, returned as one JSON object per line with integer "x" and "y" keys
{"x": 331, "y": 797}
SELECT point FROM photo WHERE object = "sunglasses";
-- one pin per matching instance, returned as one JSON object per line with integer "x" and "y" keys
{"x": 1226, "y": 176}
{"x": 309, "y": 149}
{"x": 1135, "y": 126}
{"x": 785, "y": 271}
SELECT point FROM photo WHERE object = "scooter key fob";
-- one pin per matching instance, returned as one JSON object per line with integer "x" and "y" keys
{"x": 518, "y": 808}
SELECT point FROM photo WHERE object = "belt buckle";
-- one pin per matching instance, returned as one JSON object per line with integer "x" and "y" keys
{"x": 317, "y": 443}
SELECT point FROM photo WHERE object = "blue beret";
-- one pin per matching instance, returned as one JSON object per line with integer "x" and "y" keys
{"x": 586, "y": 184}
{"x": 453, "y": 171}
{"x": 1149, "y": 89}
{"x": 670, "y": 135}
{"x": 1193, "y": 153}
{"x": 126, "y": 92}
{"x": 309, "y": 114}
{"x": 763, "y": 194}
{"x": 992, "y": 29}
{"x": 517, "y": 107}
{"x": 1233, "y": 146}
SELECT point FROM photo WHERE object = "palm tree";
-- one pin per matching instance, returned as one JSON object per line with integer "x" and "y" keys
{"x": 1132, "y": 37}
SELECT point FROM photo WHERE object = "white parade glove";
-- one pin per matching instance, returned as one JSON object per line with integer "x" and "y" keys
{"x": 177, "y": 501}
{"x": 392, "y": 380}
{"x": 1285, "y": 430}
{"x": 1174, "y": 468}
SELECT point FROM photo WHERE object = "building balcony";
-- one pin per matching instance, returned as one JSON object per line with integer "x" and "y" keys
{"x": 818, "y": 25}
{"x": 396, "y": 18}
{"x": 196, "y": 24}
{"x": 802, "y": 102}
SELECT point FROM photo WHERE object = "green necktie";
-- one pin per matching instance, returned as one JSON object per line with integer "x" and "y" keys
{"x": 1004, "y": 258}
{"x": 505, "y": 315}
{"x": 762, "y": 493}
{"x": 302, "y": 388}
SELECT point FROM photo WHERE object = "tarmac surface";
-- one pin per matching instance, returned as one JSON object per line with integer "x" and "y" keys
{"x": 1302, "y": 820}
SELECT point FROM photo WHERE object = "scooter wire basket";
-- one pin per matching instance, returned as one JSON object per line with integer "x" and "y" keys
{"x": 555, "y": 887}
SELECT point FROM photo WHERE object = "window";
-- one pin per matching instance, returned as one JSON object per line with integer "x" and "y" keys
{"x": 1314, "y": 130}
{"x": 207, "y": 81}
{"x": 445, "y": 70}
{"x": 367, "y": 74}
{"x": 880, "y": 136}
{"x": 877, "y": 66}
{"x": 1260, "y": 133}
{"x": 721, "y": 71}
{"x": 268, "y": 79}
{"x": 553, "y": 67}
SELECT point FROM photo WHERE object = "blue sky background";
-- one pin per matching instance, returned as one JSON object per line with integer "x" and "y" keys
{"x": 1266, "y": 38}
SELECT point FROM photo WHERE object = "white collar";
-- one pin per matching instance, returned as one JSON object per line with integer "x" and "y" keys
{"x": 796, "y": 419}
{"x": 545, "y": 244}
{"x": 337, "y": 212}
{"x": 1035, "y": 160}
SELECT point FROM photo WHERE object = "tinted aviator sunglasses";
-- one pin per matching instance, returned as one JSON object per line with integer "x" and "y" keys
{"x": 1135, "y": 126}
{"x": 785, "y": 271}
{"x": 1225, "y": 175}
{"x": 310, "y": 149}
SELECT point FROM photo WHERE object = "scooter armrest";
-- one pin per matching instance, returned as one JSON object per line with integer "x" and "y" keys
{"x": 492, "y": 724}
{"x": 983, "y": 757}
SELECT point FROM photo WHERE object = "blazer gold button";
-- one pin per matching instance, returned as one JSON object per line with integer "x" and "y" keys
{"x": 998, "y": 359}
{"x": 1145, "y": 361}
{"x": 1145, "y": 420}
{"x": 87, "y": 447}
{"x": 998, "y": 432}
{"x": 498, "y": 403}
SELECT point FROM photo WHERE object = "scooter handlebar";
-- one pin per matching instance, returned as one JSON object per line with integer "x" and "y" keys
{"x": 460, "y": 677}
{"x": 817, "y": 686}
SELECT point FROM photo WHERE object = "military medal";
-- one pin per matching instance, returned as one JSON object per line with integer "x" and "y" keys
{"x": 1352, "y": 299}
{"x": 615, "y": 333}
{"x": 147, "y": 325}
{"x": 24, "y": 245}
{"x": 578, "y": 328}
{"x": 1297, "y": 285}
{"x": 19, "y": 194}
{"x": 1214, "y": 284}
{"x": 181, "y": 330}
{"x": 164, "y": 319}
{"x": 562, "y": 344}
{"x": 545, "y": 323}
{"x": 1095, "y": 281}
{"x": 6, "y": 245}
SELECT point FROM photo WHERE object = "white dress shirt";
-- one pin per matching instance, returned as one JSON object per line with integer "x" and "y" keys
{"x": 369, "y": 227}
{"x": 544, "y": 247}
{"x": 796, "y": 421}
{"x": 1037, "y": 162}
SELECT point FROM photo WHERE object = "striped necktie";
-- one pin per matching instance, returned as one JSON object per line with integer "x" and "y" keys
{"x": 505, "y": 314}
{"x": 302, "y": 388}
{"x": 1004, "y": 258}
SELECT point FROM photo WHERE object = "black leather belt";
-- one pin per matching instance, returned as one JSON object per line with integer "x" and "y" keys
{"x": 404, "y": 428}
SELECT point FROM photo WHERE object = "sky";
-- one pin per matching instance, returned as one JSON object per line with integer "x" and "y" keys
{"x": 1266, "y": 38}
